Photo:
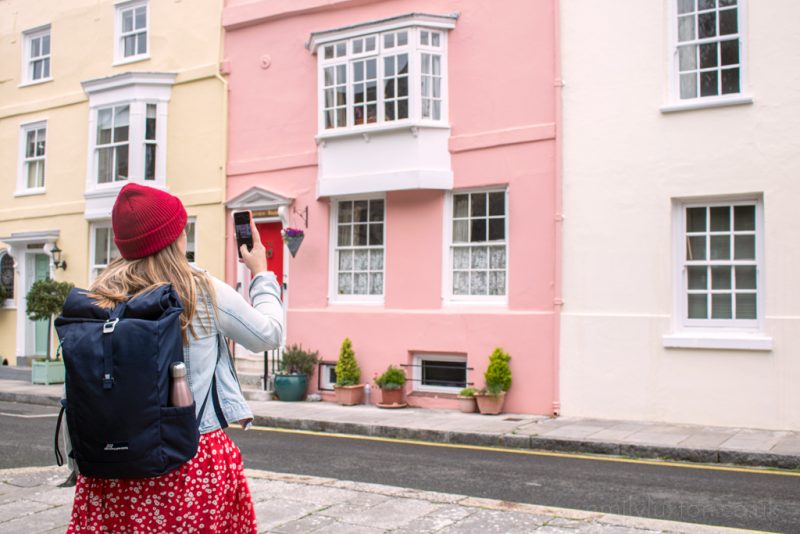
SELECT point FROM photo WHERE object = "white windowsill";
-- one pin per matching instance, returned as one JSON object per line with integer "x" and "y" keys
{"x": 718, "y": 340}
{"x": 8, "y": 304}
{"x": 35, "y": 82}
{"x": 368, "y": 129}
{"x": 707, "y": 102}
{"x": 355, "y": 303}
{"x": 30, "y": 192}
{"x": 132, "y": 59}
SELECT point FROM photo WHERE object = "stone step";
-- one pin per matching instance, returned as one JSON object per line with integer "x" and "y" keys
{"x": 256, "y": 394}
{"x": 250, "y": 380}
{"x": 249, "y": 366}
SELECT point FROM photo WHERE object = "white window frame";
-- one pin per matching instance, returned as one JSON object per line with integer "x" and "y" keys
{"x": 448, "y": 298}
{"x": 333, "y": 265}
{"x": 22, "y": 169}
{"x": 747, "y": 334}
{"x": 416, "y": 372}
{"x": 93, "y": 227}
{"x": 675, "y": 103}
{"x": 413, "y": 25}
{"x": 10, "y": 302}
{"x": 26, "y": 77}
{"x": 119, "y": 50}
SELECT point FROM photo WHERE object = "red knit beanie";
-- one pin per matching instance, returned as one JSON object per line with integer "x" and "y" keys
{"x": 146, "y": 220}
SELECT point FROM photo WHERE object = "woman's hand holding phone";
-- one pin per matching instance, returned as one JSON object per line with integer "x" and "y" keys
{"x": 256, "y": 258}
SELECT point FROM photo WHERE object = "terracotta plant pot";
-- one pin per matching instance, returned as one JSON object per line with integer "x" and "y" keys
{"x": 466, "y": 404}
{"x": 349, "y": 395}
{"x": 491, "y": 404}
{"x": 392, "y": 396}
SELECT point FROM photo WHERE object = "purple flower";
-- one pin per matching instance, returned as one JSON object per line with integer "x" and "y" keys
{"x": 292, "y": 232}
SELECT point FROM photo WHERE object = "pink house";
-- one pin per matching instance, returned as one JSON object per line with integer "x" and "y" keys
{"x": 416, "y": 144}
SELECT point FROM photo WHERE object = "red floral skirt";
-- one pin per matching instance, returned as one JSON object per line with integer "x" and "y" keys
{"x": 209, "y": 493}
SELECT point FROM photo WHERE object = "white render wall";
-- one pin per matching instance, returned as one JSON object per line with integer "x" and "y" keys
{"x": 623, "y": 163}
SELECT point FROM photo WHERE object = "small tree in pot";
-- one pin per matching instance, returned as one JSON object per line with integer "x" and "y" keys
{"x": 44, "y": 300}
{"x": 297, "y": 366}
{"x": 498, "y": 382}
{"x": 348, "y": 375}
{"x": 391, "y": 383}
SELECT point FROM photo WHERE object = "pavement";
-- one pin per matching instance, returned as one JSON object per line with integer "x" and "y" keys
{"x": 639, "y": 439}
{"x": 32, "y": 502}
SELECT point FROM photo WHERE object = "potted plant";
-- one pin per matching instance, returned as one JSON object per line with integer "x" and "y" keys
{"x": 297, "y": 365}
{"x": 348, "y": 375}
{"x": 293, "y": 237}
{"x": 498, "y": 381}
{"x": 46, "y": 299}
{"x": 466, "y": 400}
{"x": 391, "y": 383}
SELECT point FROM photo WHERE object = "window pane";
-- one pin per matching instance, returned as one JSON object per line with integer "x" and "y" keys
{"x": 477, "y": 230}
{"x": 36, "y": 47}
{"x": 101, "y": 246}
{"x": 728, "y": 23}
{"x": 497, "y": 283}
{"x": 360, "y": 210}
{"x": 745, "y": 247}
{"x": 388, "y": 40}
{"x": 141, "y": 40}
{"x": 360, "y": 260}
{"x": 686, "y": 28}
{"x": 129, "y": 45}
{"x": 696, "y": 248}
{"x": 461, "y": 283}
{"x": 46, "y": 45}
{"x": 460, "y": 205}
{"x": 388, "y": 111}
{"x": 376, "y": 260}
{"x": 361, "y": 284}
{"x": 121, "y": 163}
{"x": 689, "y": 85}
{"x": 720, "y": 247}
{"x": 444, "y": 373}
{"x": 376, "y": 284}
{"x": 40, "y": 142}
{"x": 105, "y": 161}
{"x": 744, "y": 218}
{"x": 721, "y": 219}
{"x": 360, "y": 235}
{"x": 376, "y": 210}
{"x": 345, "y": 284}
{"x": 150, "y": 122}
{"x": 698, "y": 277}
{"x": 687, "y": 57}
{"x": 706, "y": 25}
{"x": 345, "y": 212}
{"x": 341, "y": 49}
{"x": 497, "y": 229}
{"x": 345, "y": 260}
{"x": 730, "y": 81}
{"x": 375, "y": 234}
{"x": 460, "y": 231}
{"x": 721, "y": 306}
{"x": 127, "y": 20}
{"x": 721, "y": 277}
{"x": 141, "y": 17}
{"x": 341, "y": 117}
{"x": 708, "y": 83}
{"x": 497, "y": 257}
{"x": 37, "y": 70}
{"x": 698, "y": 306}
{"x": 478, "y": 204}
{"x": 724, "y": 3}
{"x": 497, "y": 203}
{"x": 402, "y": 87}
{"x": 708, "y": 55}
{"x": 30, "y": 144}
{"x": 104, "y": 126}
{"x": 402, "y": 108}
{"x": 746, "y": 306}
{"x": 402, "y": 38}
{"x": 729, "y": 50}
{"x": 46, "y": 68}
{"x": 149, "y": 162}
{"x": 706, "y": 4}
{"x": 478, "y": 283}
{"x": 685, "y": 6}
{"x": 121, "y": 123}
{"x": 479, "y": 258}
{"x": 328, "y": 53}
{"x": 695, "y": 219}
{"x": 461, "y": 258}
{"x": 436, "y": 65}
{"x": 745, "y": 277}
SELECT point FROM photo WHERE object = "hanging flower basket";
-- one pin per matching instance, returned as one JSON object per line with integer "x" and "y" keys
{"x": 292, "y": 237}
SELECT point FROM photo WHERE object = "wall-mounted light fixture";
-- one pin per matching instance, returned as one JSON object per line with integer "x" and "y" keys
{"x": 58, "y": 263}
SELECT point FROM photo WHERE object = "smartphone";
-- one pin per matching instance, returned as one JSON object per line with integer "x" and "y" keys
{"x": 244, "y": 234}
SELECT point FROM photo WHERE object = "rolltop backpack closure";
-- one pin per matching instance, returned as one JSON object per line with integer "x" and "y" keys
{"x": 117, "y": 385}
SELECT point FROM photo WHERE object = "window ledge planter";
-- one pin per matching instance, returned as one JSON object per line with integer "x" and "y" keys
{"x": 349, "y": 395}
{"x": 47, "y": 372}
{"x": 466, "y": 404}
{"x": 490, "y": 404}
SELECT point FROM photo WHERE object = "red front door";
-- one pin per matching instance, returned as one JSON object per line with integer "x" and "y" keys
{"x": 271, "y": 238}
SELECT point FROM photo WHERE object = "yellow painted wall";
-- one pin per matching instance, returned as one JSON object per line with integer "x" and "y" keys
{"x": 184, "y": 40}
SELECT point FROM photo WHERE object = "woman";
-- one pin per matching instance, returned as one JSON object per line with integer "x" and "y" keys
{"x": 209, "y": 493}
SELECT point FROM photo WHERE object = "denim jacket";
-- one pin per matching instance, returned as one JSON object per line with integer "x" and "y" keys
{"x": 257, "y": 327}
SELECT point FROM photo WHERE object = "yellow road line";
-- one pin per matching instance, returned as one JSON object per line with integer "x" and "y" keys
{"x": 660, "y": 463}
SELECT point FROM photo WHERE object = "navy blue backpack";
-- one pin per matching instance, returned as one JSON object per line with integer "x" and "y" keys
{"x": 117, "y": 386}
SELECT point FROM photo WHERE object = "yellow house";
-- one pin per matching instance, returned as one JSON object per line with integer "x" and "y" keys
{"x": 94, "y": 94}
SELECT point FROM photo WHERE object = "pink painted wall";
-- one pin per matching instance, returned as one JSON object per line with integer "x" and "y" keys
{"x": 502, "y": 113}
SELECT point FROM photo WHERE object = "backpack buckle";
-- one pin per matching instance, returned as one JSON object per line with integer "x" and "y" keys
{"x": 109, "y": 325}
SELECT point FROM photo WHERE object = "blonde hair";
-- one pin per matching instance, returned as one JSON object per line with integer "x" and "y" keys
{"x": 127, "y": 279}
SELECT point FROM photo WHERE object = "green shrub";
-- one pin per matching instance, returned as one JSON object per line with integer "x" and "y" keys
{"x": 46, "y": 298}
{"x": 467, "y": 392}
{"x": 297, "y": 360}
{"x": 392, "y": 378}
{"x": 347, "y": 371}
{"x": 498, "y": 374}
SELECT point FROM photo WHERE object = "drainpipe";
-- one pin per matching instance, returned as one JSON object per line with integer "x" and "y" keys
{"x": 558, "y": 226}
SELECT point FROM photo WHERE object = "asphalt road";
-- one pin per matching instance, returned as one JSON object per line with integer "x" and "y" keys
{"x": 738, "y": 498}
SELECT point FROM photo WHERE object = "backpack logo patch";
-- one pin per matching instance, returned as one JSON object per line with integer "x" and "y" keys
{"x": 118, "y": 446}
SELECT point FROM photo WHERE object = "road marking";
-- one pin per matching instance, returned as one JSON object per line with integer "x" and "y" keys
{"x": 659, "y": 463}
{"x": 29, "y": 416}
